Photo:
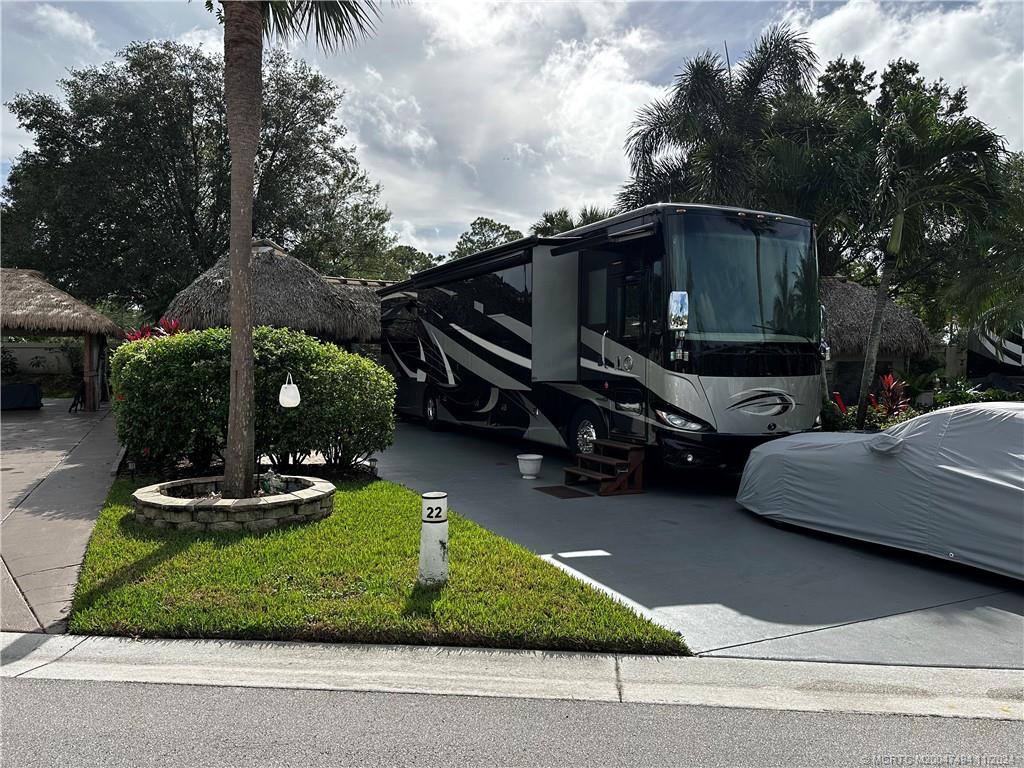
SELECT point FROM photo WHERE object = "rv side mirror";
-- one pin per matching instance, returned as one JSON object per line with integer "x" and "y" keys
{"x": 678, "y": 311}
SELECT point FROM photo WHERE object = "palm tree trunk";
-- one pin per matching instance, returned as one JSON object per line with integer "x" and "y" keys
{"x": 874, "y": 341}
{"x": 243, "y": 93}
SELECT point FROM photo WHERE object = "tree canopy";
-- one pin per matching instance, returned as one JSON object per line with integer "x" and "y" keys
{"x": 766, "y": 134}
{"x": 483, "y": 233}
{"x": 124, "y": 196}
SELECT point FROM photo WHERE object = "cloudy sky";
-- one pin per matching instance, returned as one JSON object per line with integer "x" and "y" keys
{"x": 504, "y": 110}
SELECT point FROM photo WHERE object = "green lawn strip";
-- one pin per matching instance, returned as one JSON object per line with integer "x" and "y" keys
{"x": 348, "y": 578}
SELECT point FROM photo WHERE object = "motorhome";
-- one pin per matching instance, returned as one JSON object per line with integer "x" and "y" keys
{"x": 694, "y": 330}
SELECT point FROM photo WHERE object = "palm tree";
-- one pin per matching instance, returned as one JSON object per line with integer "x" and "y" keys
{"x": 988, "y": 291}
{"x": 929, "y": 165}
{"x": 555, "y": 222}
{"x": 334, "y": 23}
{"x": 698, "y": 142}
{"x": 817, "y": 162}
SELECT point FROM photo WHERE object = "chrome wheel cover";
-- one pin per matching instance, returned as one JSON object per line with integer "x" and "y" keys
{"x": 586, "y": 434}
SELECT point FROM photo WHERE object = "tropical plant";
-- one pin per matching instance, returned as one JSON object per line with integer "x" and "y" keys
{"x": 164, "y": 327}
{"x": 929, "y": 165}
{"x": 333, "y": 23}
{"x": 9, "y": 365}
{"x": 698, "y": 143}
{"x": 960, "y": 392}
{"x": 987, "y": 287}
{"x": 891, "y": 400}
{"x": 555, "y": 222}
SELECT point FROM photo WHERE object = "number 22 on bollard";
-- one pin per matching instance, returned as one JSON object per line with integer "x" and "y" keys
{"x": 434, "y": 538}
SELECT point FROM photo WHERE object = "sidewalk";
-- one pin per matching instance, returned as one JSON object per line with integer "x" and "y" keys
{"x": 744, "y": 683}
{"x": 56, "y": 474}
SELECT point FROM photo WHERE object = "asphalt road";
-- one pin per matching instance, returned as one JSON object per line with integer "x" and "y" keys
{"x": 64, "y": 723}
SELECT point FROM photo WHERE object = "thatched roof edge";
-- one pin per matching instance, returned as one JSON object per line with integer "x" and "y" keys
{"x": 29, "y": 304}
{"x": 287, "y": 293}
{"x": 849, "y": 307}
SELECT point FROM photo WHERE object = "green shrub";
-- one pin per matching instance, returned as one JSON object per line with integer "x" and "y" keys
{"x": 9, "y": 363}
{"x": 959, "y": 392}
{"x": 834, "y": 420}
{"x": 171, "y": 398}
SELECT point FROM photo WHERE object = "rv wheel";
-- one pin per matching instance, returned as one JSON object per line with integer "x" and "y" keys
{"x": 585, "y": 427}
{"x": 430, "y": 410}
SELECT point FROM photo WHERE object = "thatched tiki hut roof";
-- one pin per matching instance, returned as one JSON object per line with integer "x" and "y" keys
{"x": 286, "y": 294}
{"x": 849, "y": 307}
{"x": 29, "y": 305}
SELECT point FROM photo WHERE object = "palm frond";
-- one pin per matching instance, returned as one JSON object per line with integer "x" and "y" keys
{"x": 701, "y": 90}
{"x": 664, "y": 180}
{"x": 334, "y": 23}
{"x": 783, "y": 59}
{"x": 592, "y": 213}
{"x": 658, "y": 126}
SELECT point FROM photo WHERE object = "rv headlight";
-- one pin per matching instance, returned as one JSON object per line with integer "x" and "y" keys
{"x": 682, "y": 422}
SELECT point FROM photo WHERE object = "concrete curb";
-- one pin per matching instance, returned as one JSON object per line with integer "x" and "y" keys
{"x": 744, "y": 683}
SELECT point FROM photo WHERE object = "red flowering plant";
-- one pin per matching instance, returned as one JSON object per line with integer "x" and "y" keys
{"x": 891, "y": 400}
{"x": 169, "y": 327}
{"x": 164, "y": 327}
{"x": 138, "y": 334}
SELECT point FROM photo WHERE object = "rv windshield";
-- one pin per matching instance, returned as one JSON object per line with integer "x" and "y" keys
{"x": 748, "y": 280}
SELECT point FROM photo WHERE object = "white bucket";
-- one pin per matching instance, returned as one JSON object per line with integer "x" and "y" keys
{"x": 529, "y": 465}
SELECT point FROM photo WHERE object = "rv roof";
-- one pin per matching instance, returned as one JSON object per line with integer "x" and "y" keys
{"x": 660, "y": 207}
{"x": 506, "y": 249}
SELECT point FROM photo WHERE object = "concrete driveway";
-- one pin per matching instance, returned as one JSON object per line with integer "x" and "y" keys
{"x": 54, "y": 476}
{"x": 732, "y": 583}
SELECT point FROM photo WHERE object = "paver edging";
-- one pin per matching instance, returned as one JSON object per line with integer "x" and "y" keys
{"x": 305, "y": 499}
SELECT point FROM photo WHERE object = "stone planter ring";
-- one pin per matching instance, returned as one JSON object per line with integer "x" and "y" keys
{"x": 192, "y": 505}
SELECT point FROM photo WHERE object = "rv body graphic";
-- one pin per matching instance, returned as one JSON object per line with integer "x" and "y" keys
{"x": 691, "y": 329}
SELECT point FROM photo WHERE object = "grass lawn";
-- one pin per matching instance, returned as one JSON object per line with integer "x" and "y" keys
{"x": 348, "y": 578}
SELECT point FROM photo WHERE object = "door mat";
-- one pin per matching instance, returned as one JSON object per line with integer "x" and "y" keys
{"x": 563, "y": 492}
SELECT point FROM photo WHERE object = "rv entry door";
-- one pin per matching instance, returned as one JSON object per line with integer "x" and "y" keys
{"x": 613, "y": 334}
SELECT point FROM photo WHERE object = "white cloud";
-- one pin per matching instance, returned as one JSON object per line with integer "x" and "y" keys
{"x": 62, "y": 23}
{"x": 500, "y": 110}
{"x": 976, "y": 45}
{"x": 393, "y": 117}
{"x": 210, "y": 40}
{"x": 465, "y": 26}
{"x": 592, "y": 97}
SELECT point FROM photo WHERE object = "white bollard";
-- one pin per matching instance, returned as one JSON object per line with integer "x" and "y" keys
{"x": 434, "y": 539}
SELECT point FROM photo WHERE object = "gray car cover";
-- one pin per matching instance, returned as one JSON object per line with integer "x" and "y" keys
{"x": 949, "y": 483}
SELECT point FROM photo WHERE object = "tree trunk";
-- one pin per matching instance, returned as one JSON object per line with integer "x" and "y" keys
{"x": 874, "y": 341}
{"x": 243, "y": 93}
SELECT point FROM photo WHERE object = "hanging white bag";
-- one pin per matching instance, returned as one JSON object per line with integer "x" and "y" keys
{"x": 289, "y": 397}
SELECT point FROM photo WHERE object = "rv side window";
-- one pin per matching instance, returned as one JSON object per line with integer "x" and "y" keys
{"x": 631, "y": 313}
{"x": 597, "y": 297}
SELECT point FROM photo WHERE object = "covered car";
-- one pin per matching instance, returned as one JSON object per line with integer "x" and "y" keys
{"x": 949, "y": 483}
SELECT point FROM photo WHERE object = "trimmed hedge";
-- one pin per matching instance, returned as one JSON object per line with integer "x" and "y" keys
{"x": 171, "y": 398}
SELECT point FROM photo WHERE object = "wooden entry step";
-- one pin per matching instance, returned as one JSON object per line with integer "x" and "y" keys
{"x": 617, "y": 468}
